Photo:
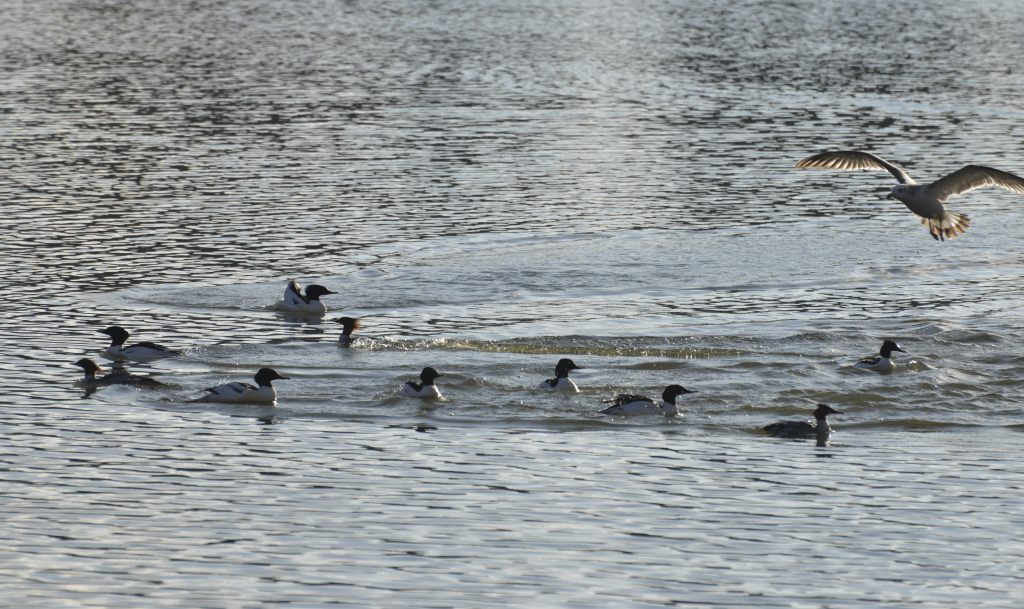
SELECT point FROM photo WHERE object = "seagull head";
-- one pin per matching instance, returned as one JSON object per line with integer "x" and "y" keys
{"x": 900, "y": 192}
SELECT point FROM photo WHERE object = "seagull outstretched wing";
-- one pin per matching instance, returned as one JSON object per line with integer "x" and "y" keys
{"x": 974, "y": 176}
{"x": 854, "y": 159}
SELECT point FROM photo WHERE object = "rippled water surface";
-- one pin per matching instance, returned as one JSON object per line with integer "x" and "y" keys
{"x": 492, "y": 186}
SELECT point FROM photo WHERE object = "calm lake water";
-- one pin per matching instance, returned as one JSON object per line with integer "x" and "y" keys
{"x": 493, "y": 186}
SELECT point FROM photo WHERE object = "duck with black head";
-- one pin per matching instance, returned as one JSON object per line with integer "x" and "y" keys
{"x": 305, "y": 303}
{"x": 562, "y": 382}
{"x": 883, "y": 361}
{"x": 424, "y": 389}
{"x": 632, "y": 405}
{"x": 262, "y": 392}
{"x": 139, "y": 352}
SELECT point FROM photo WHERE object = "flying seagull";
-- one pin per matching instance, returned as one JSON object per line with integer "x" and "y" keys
{"x": 925, "y": 200}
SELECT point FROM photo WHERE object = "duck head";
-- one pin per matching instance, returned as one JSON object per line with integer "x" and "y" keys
{"x": 673, "y": 391}
{"x": 315, "y": 291}
{"x": 429, "y": 375}
{"x": 88, "y": 366}
{"x": 349, "y": 324}
{"x": 117, "y": 334}
{"x": 888, "y": 347}
{"x": 564, "y": 366}
{"x": 264, "y": 376}
{"x": 823, "y": 410}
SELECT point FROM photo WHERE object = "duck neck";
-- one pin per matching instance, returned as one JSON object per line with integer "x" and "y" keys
{"x": 822, "y": 433}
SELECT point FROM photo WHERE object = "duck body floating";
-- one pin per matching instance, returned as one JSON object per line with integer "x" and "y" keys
{"x": 632, "y": 405}
{"x": 561, "y": 382}
{"x": 305, "y": 303}
{"x": 425, "y": 389}
{"x": 139, "y": 352}
{"x": 262, "y": 392}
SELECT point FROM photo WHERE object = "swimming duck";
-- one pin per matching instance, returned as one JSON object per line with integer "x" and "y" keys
{"x": 562, "y": 382}
{"x": 883, "y": 361}
{"x": 625, "y": 404}
{"x": 309, "y": 303}
{"x": 260, "y": 393}
{"x": 117, "y": 376}
{"x": 805, "y": 429}
{"x": 925, "y": 200}
{"x": 348, "y": 326}
{"x": 425, "y": 388}
{"x": 139, "y": 352}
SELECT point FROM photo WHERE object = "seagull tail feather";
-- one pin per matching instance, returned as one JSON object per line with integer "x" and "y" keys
{"x": 950, "y": 226}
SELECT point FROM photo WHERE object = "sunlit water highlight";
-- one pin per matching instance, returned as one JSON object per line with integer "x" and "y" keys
{"x": 493, "y": 187}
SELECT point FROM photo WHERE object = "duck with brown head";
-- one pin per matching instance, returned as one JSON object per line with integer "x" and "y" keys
{"x": 117, "y": 376}
{"x": 819, "y": 428}
{"x": 348, "y": 327}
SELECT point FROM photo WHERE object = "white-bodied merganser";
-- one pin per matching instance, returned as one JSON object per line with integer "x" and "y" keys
{"x": 295, "y": 301}
{"x": 117, "y": 376}
{"x": 883, "y": 361}
{"x": 261, "y": 393}
{"x": 139, "y": 352}
{"x": 425, "y": 388}
{"x": 562, "y": 382}
{"x": 348, "y": 326}
{"x": 624, "y": 404}
{"x": 925, "y": 200}
{"x": 805, "y": 429}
